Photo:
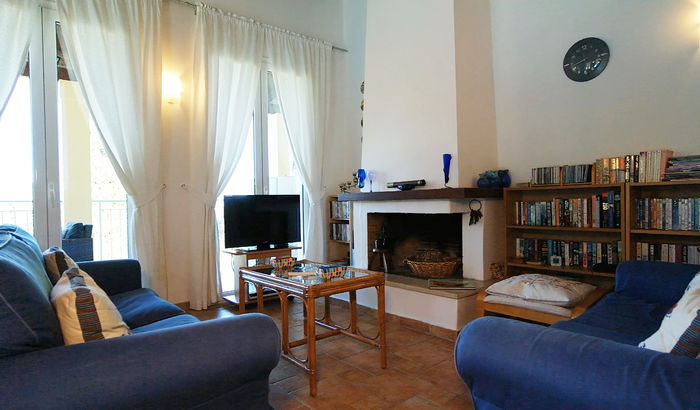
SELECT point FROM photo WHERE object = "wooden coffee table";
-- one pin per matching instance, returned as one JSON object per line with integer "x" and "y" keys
{"x": 307, "y": 286}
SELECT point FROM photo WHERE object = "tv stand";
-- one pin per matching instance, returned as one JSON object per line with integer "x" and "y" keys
{"x": 240, "y": 259}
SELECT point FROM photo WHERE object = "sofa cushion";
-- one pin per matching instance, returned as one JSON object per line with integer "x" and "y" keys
{"x": 167, "y": 323}
{"x": 84, "y": 311}
{"x": 24, "y": 251}
{"x": 57, "y": 262}
{"x": 542, "y": 288}
{"x": 27, "y": 319}
{"x": 140, "y": 307}
{"x": 619, "y": 318}
{"x": 679, "y": 319}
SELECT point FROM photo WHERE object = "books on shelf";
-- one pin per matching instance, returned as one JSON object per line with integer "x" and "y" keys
{"x": 340, "y": 209}
{"x": 672, "y": 214}
{"x": 339, "y": 231}
{"x": 668, "y": 252}
{"x": 565, "y": 174}
{"x": 601, "y": 210}
{"x": 578, "y": 254}
{"x": 647, "y": 166}
{"x": 687, "y": 167}
{"x": 456, "y": 284}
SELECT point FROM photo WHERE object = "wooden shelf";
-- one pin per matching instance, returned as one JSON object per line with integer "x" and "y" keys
{"x": 337, "y": 249}
{"x": 577, "y": 187}
{"x": 562, "y": 269}
{"x": 441, "y": 193}
{"x": 663, "y": 232}
{"x": 562, "y": 228}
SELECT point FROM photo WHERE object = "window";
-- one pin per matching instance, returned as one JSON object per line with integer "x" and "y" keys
{"x": 266, "y": 166}
{"x": 56, "y": 169}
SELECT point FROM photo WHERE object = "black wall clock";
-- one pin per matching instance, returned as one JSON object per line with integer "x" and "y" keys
{"x": 586, "y": 59}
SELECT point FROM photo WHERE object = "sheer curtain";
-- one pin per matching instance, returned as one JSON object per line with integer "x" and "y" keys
{"x": 301, "y": 68}
{"x": 114, "y": 46}
{"x": 228, "y": 56}
{"x": 16, "y": 18}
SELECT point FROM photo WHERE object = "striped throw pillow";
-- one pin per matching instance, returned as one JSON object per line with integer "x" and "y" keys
{"x": 57, "y": 261}
{"x": 679, "y": 332}
{"x": 84, "y": 310}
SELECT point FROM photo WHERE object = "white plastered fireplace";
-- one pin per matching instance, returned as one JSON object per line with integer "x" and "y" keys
{"x": 482, "y": 244}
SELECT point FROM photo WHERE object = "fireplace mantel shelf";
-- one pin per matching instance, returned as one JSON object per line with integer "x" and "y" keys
{"x": 441, "y": 193}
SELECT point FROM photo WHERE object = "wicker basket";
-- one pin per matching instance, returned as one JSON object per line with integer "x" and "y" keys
{"x": 441, "y": 269}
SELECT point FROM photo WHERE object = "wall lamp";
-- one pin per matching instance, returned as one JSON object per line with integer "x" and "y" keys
{"x": 172, "y": 87}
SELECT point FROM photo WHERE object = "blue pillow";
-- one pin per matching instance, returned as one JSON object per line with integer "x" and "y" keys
{"x": 27, "y": 319}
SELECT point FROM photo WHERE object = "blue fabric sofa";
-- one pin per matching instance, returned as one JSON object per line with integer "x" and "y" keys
{"x": 591, "y": 362}
{"x": 170, "y": 361}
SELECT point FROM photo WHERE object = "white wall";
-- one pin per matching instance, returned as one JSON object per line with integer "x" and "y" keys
{"x": 648, "y": 97}
{"x": 341, "y": 22}
{"x": 410, "y": 98}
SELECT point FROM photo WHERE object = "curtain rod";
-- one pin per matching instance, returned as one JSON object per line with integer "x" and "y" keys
{"x": 195, "y": 5}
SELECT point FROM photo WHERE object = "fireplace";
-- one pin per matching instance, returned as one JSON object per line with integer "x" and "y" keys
{"x": 394, "y": 237}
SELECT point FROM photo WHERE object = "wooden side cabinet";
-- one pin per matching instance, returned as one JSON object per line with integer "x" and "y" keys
{"x": 340, "y": 234}
{"x": 664, "y": 221}
{"x": 576, "y": 230}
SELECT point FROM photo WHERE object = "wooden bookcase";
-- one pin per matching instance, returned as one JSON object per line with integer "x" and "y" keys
{"x": 340, "y": 234}
{"x": 660, "y": 233}
{"x": 559, "y": 232}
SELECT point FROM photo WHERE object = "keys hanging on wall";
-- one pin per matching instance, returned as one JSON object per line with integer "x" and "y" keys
{"x": 474, "y": 212}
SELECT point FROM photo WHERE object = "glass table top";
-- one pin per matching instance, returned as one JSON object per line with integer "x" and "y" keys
{"x": 306, "y": 273}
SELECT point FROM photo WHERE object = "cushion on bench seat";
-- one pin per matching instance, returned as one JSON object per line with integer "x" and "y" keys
{"x": 143, "y": 306}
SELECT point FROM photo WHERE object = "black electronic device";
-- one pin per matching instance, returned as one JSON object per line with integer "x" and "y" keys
{"x": 406, "y": 185}
{"x": 262, "y": 221}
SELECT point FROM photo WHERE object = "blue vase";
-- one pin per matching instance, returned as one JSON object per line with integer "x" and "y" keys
{"x": 504, "y": 178}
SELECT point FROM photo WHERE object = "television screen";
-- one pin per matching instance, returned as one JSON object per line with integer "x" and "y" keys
{"x": 261, "y": 220}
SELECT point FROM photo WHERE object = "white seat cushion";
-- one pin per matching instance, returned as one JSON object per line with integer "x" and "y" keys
{"x": 547, "y": 289}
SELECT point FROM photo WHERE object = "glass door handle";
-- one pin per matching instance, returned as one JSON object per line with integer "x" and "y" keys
{"x": 51, "y": 187}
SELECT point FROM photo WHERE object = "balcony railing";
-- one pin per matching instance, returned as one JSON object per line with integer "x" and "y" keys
{"x": 109, "y": 219}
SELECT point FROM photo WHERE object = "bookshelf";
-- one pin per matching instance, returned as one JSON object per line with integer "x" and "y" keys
{"x": 340, "y": 235}
{"x": 571, "y": 222}
{"x": 664, "y": 221}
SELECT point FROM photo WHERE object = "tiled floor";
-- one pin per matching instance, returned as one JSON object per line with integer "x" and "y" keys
{"x": 420, "y": 372}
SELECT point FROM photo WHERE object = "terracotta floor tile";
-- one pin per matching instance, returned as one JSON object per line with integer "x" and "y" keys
{"x": 417, "y": 403}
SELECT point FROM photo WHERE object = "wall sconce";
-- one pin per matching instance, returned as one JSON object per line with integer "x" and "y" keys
{"x": 172, "y": 87}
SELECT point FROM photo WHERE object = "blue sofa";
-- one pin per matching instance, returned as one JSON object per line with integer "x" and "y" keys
{"x": 591, "y": 362}
{"x": 170, "y": 361}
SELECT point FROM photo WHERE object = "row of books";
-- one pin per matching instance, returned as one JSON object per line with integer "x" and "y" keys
{"x": 687, "y": 167}
{"x": 597, "y": 211}
{"x": 676, "y": 214}
{"x": 647, "y": 166}
{"x": 340, "y": 209}
{"x": 340, "y": 232}
{"x": 668, "y": 252}
{"x": 580, "y": 254}
{"x": 566, "y": 174}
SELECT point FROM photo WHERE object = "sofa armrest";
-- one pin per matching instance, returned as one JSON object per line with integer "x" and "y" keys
{"x": 510, "y": 364}
{"x": 114, "y": 276}
{"x": 660, "y": 282}
{"x": 178, "y": 367}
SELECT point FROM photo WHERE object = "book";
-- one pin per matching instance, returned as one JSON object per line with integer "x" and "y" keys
{"x": 453, "y": 284}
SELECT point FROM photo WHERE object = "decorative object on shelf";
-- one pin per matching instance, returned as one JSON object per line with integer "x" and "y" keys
{"x": 497, "y": 271}
{"x": 586, "y": 59}
{"x": 432, "y": 263}
{"x": 362, "y": 104}
{"x": 344, "y": 186}
{"x": 474, "y": 212}
{"x": 494, "y": 179}
{"x": 446, "y": 158}
{"x": 370, "y": 177}
{"x": 406, "y": 185}
{"x": 361, "y": 175}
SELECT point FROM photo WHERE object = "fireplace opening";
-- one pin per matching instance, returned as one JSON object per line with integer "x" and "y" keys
{"x": 394, "y": 237}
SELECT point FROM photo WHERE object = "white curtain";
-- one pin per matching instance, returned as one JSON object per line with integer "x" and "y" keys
{"x": 16, "y": 19}
{"x": 114, "y": 46}
{"x": 301, "y": 68}
{"x": 228, "y": 55}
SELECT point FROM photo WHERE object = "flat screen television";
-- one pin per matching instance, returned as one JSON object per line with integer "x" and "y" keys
{"x": 261, "y": 220}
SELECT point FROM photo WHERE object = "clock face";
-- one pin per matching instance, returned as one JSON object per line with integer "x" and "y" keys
{"x": 586, "y": 59}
